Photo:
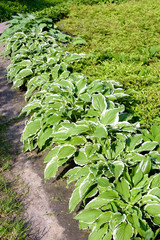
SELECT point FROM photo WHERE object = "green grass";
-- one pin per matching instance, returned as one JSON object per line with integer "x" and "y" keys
{"x": 12, "y": 7}
{"x": 11, "y": 211}
{"x": 59, "y": 8}
{"x": 124, "y": 40}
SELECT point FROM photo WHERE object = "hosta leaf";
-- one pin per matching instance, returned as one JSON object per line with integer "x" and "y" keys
{"x": 109, "y": 195}
{"x": 155, "y": 191}
{"x": 150, "y": 199}
{"x": 123, "y": 232}
{"x": 81, "y": 85}
{"x": 54, "y": 71}
{"x": 85, "y": 97}
{"x": 156, "y": 181}
{"x": 104, "y": 218}
{"x": 147, "y": 146}
{"x": 99, "y": 102}
{"x": 108, "y": 236}
{"x": 103, "y": 182}
{"x": 155, "y": 131}
{"x": 81, "y": 159}
{"x": 88, "y": 215}
{"x": 55, "y": 118}
{"x": 31, "y": 129}
{"x": 61, "y": 134}
{"x": 53, "y": 153}
{"x": 51, "y": 168}
{"x": 100, "y": 131}
{"x": 97, "y": 203}
{"x": 78, "y": 129}
{"x": 123, "y": 188}
{"x": 144, "y": 166}
{"x": 98, "y": 234}
{"x": 116, "y": 168}
{"x": 30, "y": 106}
{"x": 110, "y": 117}
{"x": 152, "y": 209}
{"x": 18, "y": 83}
{"x": 74, "y": 200}
{"x": 132, "y": 142}
{"x": 137, "y": 177}
{"x": 85, "y": 186}
{"x": 42, "y": 138}
{"x": 116, "y": 219}
{"x": 91, "y": 149}
{"x": 77, "y": 140}
{"x": 24, "y": 73}
{"x": 156, "y": 219}
{"x": 66, "y": 151}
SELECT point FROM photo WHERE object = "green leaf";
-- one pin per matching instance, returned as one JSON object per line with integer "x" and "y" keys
{"x": 53, "y": 153}
{"x": 116, "y": 219}
{"x": 66, "y": 151}
{"x": 116, "y": 168}
{"x": 155, "y": 191}
{"x": 137, "y": 177}
{"x": 44, "y": 136}
{"x": 152, "y": 209}
{"x": 123, "y": 188}
{"x": 77, "y": 140}
{"x": 85, "y": 185}
{"x": 144, "y": 166}
{"x": 100, "y": 131}
{"x": 31, "y": 129}
{"x": 24, "y": 73}
{"x": 103, "y": 182}
{"x": 54, "y": 71}
{"x": 78, "y": 129}
{"x": 97, "y": 203}
{"x": 147, "y": 146}
{"x": 81, "y": 85}
{"x": 109, "y": 195}
{"x": 79, "y": 41}
{"x": 88, "y": 215}
{"x": 97, "y": 234}
{"x": 81, "y": 159}
{"x": 156, "y": 219}
{"x": 156, "y": 181}
{"x": 132, "y": 142}
{"x": 108, "y": 236}
{"x": 99, "y": 102}
{"x": 123, "y": 232}
{"x": 31, "y": 106}
{"x": 91, "y": 149}
{"x": 110, "y": 117}
{"x": 155, "y": 130}
{"x": 51, "y": 168}
{"x": 104, "y": 218}
{"x": 74, "y": 200}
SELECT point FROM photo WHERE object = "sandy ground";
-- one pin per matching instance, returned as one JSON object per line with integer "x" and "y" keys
{"x": 46, "y": 204}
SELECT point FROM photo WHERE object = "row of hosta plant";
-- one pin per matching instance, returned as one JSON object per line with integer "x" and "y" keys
{"x": 85, "y": 125}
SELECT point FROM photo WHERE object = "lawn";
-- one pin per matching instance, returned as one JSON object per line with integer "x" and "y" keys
{"x": 12, "y": 225}
{"x": 124, "y": 40}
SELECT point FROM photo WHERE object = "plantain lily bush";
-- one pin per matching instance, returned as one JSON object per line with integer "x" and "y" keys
{"x": 85, "y": 125}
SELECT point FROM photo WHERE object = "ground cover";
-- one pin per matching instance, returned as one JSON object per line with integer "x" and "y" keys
{"x": 56, "y": 9}
{"x": 124, "y": 42}
{"x": 11, "y": 210}
{"x": 114, "y": 163}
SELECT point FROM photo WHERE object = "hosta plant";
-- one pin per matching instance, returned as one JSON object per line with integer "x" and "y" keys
{"x": 85, "y": 125}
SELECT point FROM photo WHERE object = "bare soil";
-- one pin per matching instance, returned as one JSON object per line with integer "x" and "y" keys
{"x": 45, "y": 204}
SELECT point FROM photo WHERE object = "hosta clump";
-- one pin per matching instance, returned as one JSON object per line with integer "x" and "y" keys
{"x": 116, "y": 171}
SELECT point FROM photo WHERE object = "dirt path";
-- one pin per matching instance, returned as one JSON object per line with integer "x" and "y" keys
{"x": 46, "y": 205}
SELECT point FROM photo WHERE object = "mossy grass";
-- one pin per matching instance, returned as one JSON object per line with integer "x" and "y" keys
{"x": 12, "y": 225}
{"x": 124, "y": 40}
